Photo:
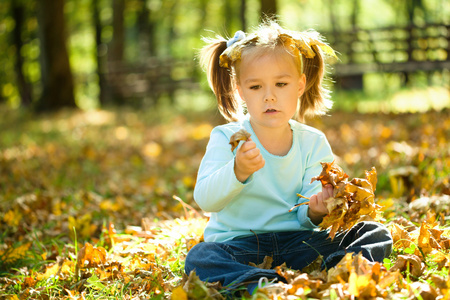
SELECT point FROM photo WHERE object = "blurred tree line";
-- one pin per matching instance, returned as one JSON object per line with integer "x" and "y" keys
{"x": 60, "y": 53}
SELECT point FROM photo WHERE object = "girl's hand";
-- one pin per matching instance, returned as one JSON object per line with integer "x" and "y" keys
{"x": 317, "y": 206}
{"x": 248, "y": 160}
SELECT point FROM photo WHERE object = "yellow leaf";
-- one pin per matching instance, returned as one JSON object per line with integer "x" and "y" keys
{"x": 353, "y": 284}
{"x": 50, "y": 271}
{"x": 11, "y": 255}
{"x": 152, "y": 150}
{"x": 179, "y": 294}
{"x": 202, "y": 131}
{"x": 83, "y": 226}
{"x": 109, "y": 205}
{"x": 12, "y": 217}
{"x": 90, "y": 256}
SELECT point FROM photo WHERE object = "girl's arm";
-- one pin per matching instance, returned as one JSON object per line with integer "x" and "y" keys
{"x": 311, "y": 215}
{"x": 216, "y": 183}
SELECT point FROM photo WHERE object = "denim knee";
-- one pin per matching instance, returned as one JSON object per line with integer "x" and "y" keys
{"x": 195, "y": 255}
{"x": 372, "y": 239}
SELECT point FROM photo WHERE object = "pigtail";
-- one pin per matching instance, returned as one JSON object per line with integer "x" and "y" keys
{"x": 220, "y": 79}
{"x": 316, "y": 99}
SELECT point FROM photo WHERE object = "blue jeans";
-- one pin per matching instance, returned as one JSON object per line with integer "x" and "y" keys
{"x": 229, "y": 262}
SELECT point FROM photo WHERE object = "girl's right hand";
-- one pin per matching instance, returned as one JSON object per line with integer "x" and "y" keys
{"x": 248, "y": 160}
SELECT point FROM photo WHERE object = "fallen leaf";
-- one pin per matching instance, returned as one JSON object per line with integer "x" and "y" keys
{"x": 410, "y": 262}
{"x": 331, "y": 173}
{"x": 266, "y": 264}
{"x": 352, "y": 201}
{"x": 241, "y": 135}
{"x": 179, "y": 294}
{"x": 90, "y": 256}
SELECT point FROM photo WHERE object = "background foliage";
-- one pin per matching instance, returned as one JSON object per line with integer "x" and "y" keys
{"x": 161, "y": 29}
{"x": 97, "y": 202}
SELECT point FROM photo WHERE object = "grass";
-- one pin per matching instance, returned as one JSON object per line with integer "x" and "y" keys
{"x": 108, "y": 177}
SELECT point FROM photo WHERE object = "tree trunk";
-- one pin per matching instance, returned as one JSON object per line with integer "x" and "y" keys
{"x": 332, "y": 14}
{"x": 242, "y": 15}
{"x": 268, "y": 9}
{"x": 25, "y": 88}
{"x": 228, "y": 16}
{"x": 146, "y": 30}
{"x": 56, "y": 75}
{"x": 118, "y": 40}
{"x": 100, "y": 53}
{"x": 355, "y": 14}
{"x": 171, "y": 38}
{"x": 117, "y": 46}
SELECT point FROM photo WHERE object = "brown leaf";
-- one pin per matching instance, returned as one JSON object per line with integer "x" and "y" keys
{"x": 371, "y": 176}
{"x": 241, "y": 135}
{"x": 331, "y": 173}
{"x": 401, "y": 238}
{"x": 197, "y": 289}
{"x": 424, "y": 289}
{"x": 426, "y": 241}
{"x": 266, "y": 264}
{"x": 90, "y": 256}
{"x": 412, "y": 262}
{"x": 352, "y": 201}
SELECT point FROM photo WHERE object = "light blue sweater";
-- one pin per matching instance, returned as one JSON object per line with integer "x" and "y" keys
{"x": 262, "y": 203}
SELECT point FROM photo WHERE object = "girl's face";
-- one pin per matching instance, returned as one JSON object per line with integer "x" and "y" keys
{"x": 270, "y": 85}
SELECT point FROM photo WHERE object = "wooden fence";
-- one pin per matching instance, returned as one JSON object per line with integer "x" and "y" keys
{"x": 390, "y": 50}
{"x": 151, "y": 79}
{"x": 386, "y": 50}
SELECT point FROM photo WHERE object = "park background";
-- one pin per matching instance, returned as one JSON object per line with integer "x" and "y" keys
{"x": 105, "y": 115}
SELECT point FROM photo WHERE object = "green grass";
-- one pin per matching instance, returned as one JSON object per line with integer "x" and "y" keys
{"x": 86, "y": 170}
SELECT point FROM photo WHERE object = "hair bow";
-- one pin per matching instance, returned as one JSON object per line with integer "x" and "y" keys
{"x": 239, "y": 35}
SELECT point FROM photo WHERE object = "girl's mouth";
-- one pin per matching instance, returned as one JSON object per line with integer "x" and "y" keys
{"x": 271, "y": 110}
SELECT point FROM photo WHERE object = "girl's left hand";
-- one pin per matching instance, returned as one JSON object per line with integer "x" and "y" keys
{"x": 317, "y": 206}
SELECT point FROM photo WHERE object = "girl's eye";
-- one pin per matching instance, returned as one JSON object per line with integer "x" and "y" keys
{"x": 281, "y": 84}
{"x": 255, "y": 87}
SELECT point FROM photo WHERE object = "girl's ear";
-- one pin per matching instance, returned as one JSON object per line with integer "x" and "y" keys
{"x": 239, "y": 90}
{"x": 301, "y": 85}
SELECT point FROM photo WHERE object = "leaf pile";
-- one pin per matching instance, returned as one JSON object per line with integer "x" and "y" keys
{"x": 352, "y": 200}
{"x": 412, "y": 272}
{"x": 66, "y": 178}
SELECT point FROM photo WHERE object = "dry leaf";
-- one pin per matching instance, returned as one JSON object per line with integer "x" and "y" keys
{"x": 90, "y": 256}
{"x": 266, "y": 264}
{"x": 331, "y": 173}
{"x": 352, "y": 201}
{"x": 241, "y": 135}
{"x": 412, "y": 262}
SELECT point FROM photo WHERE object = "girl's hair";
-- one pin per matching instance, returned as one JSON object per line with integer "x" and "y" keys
{"x": 222, "y": 77}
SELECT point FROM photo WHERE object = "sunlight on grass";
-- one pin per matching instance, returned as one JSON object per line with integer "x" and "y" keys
{"x": 409, "y": 101}
{"x": 414, "y": 100}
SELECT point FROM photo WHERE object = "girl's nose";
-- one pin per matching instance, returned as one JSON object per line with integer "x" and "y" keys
{"x": 269, "y": 96}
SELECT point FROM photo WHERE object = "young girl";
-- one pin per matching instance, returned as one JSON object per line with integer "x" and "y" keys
{"x": 276, "y": 75}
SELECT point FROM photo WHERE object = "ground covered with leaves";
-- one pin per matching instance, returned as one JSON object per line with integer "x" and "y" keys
{"x": 98, "y": 205}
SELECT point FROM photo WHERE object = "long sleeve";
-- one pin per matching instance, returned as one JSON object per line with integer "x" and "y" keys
{"x": 262, "y": 203}
{"x": 216, "y": 183}
{"x": 321, "y": 152}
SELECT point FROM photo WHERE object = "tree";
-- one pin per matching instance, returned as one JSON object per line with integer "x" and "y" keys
{"x": 99, "y": 52}
{"x": 118, "y": 40}
{"x": 56, "y": 75}
{"x": 117, "y": 47}
{"x": 146, "y": 29}
{"x": 268, "y": 8}
{"x": 242, "y": 15}
{"x": 24, "y": 87}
